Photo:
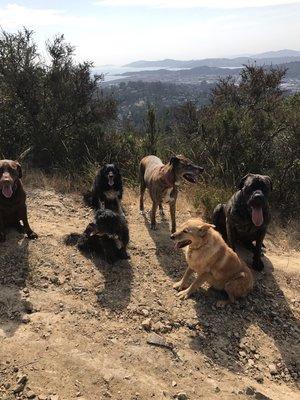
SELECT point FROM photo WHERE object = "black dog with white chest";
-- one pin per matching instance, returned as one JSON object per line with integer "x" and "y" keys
{"x": 107, "y": 189}
{"x": 246, "y": 216}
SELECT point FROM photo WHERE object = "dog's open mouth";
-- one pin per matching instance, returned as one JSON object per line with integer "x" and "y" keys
{"x": 111, "y": 180}
{"x": 257, "y": 216}
{"x": 182, "y": 243}
{"x": 7, "y": 191}
{"x": 188, "y": 176}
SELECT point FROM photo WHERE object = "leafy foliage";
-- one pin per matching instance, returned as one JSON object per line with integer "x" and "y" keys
{"x": 52, "y": 108}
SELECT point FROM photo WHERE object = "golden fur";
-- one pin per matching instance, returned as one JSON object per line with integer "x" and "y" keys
{"x": 208, "y": 255}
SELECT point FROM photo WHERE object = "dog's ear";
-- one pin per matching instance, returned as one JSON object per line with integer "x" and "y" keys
{"x": 204, "y": 228}
{"x": 19, "y": 169}
{"x": 174, "y": 160}
{"x": 241, "y": 183}
{"x": 269, "y": 182}
{"x": 91, "y": 230}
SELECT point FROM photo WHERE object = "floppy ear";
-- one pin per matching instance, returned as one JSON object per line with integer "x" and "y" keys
{"x": 91, "y": 229}
{"x": 268, "y": 180}
{"x": 204, "y": 228}
{"x": 174, "y": 160}
{"x": 19, "y": 169}
{"x": 242, "y": 181}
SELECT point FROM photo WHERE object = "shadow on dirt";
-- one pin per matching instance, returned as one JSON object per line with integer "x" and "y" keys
{"x": 13, "y": 274}
{"x": 118, "y": 277}
{"x": 172, "y": 261}
{"x": 222, "y": 336}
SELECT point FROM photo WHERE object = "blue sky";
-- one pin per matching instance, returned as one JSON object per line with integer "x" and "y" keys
{"x": 120, "y": 31}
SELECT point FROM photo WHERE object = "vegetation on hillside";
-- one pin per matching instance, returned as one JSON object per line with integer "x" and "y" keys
{"x": 56, "y": 110}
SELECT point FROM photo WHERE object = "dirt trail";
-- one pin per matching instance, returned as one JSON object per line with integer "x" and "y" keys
{"x": 73, "y": 327}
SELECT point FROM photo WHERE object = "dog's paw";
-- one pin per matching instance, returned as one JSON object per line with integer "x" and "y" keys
{"x": 222, "y": 303}
{"x": 32, "y": 235}
{"x": 183, "y": 295}
{"x": 177, "y": 285}
{"x": 153, "y": 227}
{"x": 257, "y": 264}
{"x": 2, "y": 237}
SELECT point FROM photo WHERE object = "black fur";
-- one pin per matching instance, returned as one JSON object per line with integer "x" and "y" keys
{"x": 100, "y": 236}
{"x": 107, "y": 189}
{"x": 233, "y": 219}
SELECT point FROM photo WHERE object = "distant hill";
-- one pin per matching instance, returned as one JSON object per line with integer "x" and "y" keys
{"x": 272, "y": 57}
{"x": 279, "y": 53}
{"x": 198, "y": 74}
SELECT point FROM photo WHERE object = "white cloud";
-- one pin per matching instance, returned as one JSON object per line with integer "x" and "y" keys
{"x": 221, "y": 4}
{"x": 14, "y": 15}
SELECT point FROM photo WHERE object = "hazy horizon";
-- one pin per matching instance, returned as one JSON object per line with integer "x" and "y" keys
{"x": 117, "y": 32}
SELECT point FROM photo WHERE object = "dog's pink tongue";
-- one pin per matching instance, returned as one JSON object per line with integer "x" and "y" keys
{"x": 257, "y": 216}
{"x": 7, "y": 191}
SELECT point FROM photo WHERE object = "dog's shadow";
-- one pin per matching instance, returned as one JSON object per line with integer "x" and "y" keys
{"x": 223, "y": 335}
{"x": 118, "y": 278}
{"x": 14, "y": 267}
{"x": 223, "y": 331}
{"x": 165, "y": 247}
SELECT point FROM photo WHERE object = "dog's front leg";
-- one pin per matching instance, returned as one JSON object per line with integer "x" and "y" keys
{"x": 257, "y": 263}
{"x": 153, "y": 215}
{"x": 185, "y": 294}
{"x": 2, "y": 231}
{"x": 23, "y": 217}
{"x": 182, "y": 284}
{"x": 230, "y": 234}
{"x": 173, "y": 198}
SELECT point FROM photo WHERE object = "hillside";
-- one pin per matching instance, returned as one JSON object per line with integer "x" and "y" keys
{"x": 73, "y": 327}
{"x": 197, "y": 75}
{"x": 271, "y": 57}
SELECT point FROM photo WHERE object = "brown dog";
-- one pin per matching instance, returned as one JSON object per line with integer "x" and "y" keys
{"x": 214, "y": 262}
{"x": 162, "y": 181}
{"x": 12, "y": 199}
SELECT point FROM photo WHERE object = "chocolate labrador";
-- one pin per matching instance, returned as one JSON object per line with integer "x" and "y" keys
{"x": 13, "y": 209}
{"x": 163, "y": 180}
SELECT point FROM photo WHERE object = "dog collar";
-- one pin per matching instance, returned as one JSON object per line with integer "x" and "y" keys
{"x": 167, "y": 181}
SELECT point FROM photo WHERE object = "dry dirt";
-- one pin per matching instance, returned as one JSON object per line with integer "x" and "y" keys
{"x": 73, "y": 327}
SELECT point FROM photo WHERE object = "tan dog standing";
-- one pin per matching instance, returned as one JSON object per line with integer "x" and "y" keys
{"x": 214, "y": 262}
{"x": 162, "y": 181}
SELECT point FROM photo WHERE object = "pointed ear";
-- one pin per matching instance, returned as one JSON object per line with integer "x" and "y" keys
{"x": 204, "y": 228}
{"x": 174, "y": 160}
{"x": 269, "y": 182}
{"x": 241, "y": 183}
{"x": 19, "y": 169}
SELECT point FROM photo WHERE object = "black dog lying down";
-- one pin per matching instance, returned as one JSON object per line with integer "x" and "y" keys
{"x": 107, "y": 236}
{"x": 107, "y": 190}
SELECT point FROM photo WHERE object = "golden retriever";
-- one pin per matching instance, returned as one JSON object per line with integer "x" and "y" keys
{"x": 208, "y": 255}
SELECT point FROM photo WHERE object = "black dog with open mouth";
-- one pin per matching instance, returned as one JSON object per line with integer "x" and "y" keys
{"x": 107, "y": 235}
{"x": 107, "y": 189}
{"x": 246, "y": 216}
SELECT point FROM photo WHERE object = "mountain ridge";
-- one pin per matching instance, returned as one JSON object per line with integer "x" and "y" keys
{"x": 276, "y": 57}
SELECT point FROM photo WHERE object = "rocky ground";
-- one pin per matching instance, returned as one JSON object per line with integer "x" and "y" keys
{"x": 73, "y": 327}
